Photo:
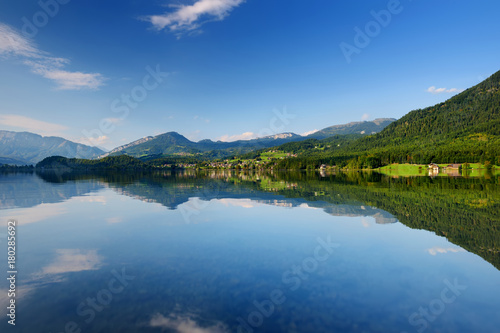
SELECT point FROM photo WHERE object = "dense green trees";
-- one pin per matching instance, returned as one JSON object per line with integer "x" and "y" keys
{"x": 109, "y": 163}
{"x": 466, "y": 128}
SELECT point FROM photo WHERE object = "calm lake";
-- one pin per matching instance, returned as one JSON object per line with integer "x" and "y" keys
{"x": 249, "y": 252}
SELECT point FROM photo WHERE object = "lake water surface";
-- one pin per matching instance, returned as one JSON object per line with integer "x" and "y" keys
{"x": 225, "y": 252}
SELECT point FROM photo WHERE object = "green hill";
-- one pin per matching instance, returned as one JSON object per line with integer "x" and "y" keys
{"x": 122, "y": 162}
{"x": 163, "y": 144}
{"x": 174, "y": 144}
{"x": 465, "y": 128}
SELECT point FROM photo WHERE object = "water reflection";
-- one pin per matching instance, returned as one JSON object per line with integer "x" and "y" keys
{"x": 23, "y": 190}
{"x": 73, "y": 260}
{"x": 466, "y": 211}
{"x": 184, "y": 323}
{"x": 206, "y": 252}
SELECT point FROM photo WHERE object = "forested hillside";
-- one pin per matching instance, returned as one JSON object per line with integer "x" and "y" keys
{"x": 122, "y": 162}
{"x": 465, "y": 128}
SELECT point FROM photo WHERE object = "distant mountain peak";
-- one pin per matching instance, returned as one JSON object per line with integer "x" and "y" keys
{"x": 128, "y": 145}
{"x": 379, "y": 121}
{"x": 30, "y": 148}
{"x": 172, "y": 135}
{"x": 280, "y": 136}
{"x": 355, "y": 127}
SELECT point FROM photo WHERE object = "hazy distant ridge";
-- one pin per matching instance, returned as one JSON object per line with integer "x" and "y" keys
{"x": 29, "y": 148}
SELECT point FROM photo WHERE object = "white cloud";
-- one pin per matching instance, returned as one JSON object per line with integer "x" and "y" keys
{"x": 310, "y": 132}
{"x": 66, "y": 261}
{"x": 185, "y": 324}
{"x": 245, "y": 203}
{"x": 92, "y": 141}
{"x": 365, "y": 116}
{"x": 435, "y": 91}
{"x": 69, "y": 80}
{"x": 13, "y": 44}
{"x": 306, "y": 206}
{"x": 194, "y": 136}
{"x": 31, "y": 125}
{"x": 73, "y": 260}
{"x": 92, "y": 198}
{"x": 244, "y": 136}
{"x": 206, "y": 120}
{"x": 435, "y": 250}
{"x": 187, "y": 18}
{"x": 35, "y": 214}
{"x": 365, "y": 221}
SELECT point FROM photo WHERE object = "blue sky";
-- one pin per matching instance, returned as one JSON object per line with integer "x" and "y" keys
{"x": 110, "y": 72}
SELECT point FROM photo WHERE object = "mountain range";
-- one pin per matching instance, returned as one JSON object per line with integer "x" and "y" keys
{"x": 173, "y": 143}
{"x": 24, "y": 148}
{"x": 359, "y": 127}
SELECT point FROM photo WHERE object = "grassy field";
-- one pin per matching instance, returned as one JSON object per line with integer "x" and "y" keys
{"x": 404, "y": 170}
{"x": 264, "y": 157}
{"x": 476, "y": 170}
{"x": 267, "y": 156}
